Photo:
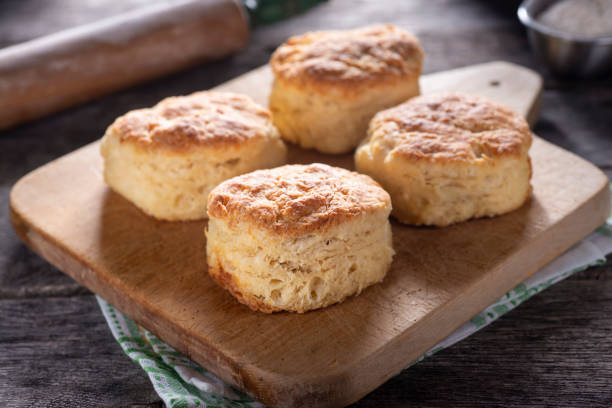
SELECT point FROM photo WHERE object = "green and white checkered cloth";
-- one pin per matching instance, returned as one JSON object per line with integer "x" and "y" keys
{"x": 181, "y": 383}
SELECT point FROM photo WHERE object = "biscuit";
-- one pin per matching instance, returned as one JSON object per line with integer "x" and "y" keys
{"x": 446, "y": 158}
{"x": 329, "y": 84}
{"x": 298, "y": 237}
{"x": 167, "y": 158}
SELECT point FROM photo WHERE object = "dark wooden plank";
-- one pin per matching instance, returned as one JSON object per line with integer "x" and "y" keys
{"x": 22, "y": 272}
{"x": 58, "y": 352}
{"x": 577, "y": 118}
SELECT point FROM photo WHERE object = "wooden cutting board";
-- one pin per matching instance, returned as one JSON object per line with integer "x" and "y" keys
{"x": 155, "y": 271}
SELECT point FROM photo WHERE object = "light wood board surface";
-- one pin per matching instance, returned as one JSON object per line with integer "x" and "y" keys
{"x": 155, "y": 271}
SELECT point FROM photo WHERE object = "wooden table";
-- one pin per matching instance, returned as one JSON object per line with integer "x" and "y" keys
{"x": 554, "y": 350}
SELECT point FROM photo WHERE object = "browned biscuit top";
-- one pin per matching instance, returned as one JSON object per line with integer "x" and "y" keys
{"x": 349, "y": 57}
{"x": 450, "y": 126}
{"x": 200, "y": 119}
{"x": 296, "y": 199}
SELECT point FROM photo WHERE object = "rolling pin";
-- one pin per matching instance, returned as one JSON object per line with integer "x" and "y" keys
{"x": 57, "y": 71}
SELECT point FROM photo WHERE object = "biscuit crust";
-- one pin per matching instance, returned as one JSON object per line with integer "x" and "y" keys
{"x": 227, "y": 281}
{"x": 168, "y": 158}
{"x": 297, "y": 238}
{"x": 329, "y": 84}
{"x": 450, "y": 126}
{"x": 209, "y": 118}
{"x": 348, "y": 60}
{"x": 448, "y": 157}
{"x": 296, "y": 199}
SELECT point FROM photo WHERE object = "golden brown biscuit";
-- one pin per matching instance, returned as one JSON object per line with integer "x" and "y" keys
{"x": 167, "y": 158}
{"x": 298, "y": 237}
{"x": 446, "y": 158}
{"x": 329, "y": 84}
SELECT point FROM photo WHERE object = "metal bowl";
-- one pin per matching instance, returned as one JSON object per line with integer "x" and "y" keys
{"x": 565, "y": 54}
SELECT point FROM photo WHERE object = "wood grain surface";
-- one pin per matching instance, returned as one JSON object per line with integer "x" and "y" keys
{"x": 155, "y": 272}
{"x": 55, "y": 347}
